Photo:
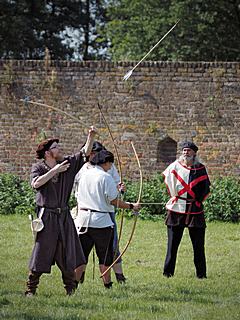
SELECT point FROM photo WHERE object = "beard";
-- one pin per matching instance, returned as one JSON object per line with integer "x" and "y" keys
{"x": 58, "y": 156}
{"x": 189, "y": 159}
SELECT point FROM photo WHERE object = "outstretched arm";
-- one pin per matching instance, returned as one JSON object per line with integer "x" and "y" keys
{"x": 125, "y": 205}
{"x": 90, "y": 139}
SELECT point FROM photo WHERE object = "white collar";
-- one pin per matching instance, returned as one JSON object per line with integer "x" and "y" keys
{"x": 99, "y": 167}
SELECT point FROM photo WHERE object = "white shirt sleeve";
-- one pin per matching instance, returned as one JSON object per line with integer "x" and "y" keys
{"x": 110, "y": 189}
{"x": 114, "y": 173}
{"x": 78, "y": 177}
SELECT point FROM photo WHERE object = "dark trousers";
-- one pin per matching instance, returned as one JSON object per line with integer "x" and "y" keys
{"x": 197, "y": 236}
{"x": 102, "y": 239}
{"x": 116, "y": 252}
{"x": 67, "y": 276}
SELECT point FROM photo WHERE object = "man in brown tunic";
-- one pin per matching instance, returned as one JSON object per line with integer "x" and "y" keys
{"x": 58, "y": 241}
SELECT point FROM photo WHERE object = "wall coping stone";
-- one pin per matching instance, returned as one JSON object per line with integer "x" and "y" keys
{"x": 111, "y": 64}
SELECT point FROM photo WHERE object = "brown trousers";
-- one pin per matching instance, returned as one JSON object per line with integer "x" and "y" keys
{"x": 68, "y": 277}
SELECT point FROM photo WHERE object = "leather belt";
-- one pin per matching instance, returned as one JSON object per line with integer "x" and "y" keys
{"x": 84, "y": 209}
{"x": 57, "y": 210}
{"x": 190, "y": 200}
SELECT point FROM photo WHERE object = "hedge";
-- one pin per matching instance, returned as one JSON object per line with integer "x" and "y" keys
{"x": 17, "y": 197}
{"x": 223, "y": 203}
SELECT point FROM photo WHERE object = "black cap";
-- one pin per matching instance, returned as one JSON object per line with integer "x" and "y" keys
{"x": 190, "y": 145}
{"x": 101, "y": 157}
{"x": 44, "y": 146}
{"x": 97, "y": 146}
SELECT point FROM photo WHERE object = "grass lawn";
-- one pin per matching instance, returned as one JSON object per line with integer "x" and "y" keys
{"x": 147, "y": 294}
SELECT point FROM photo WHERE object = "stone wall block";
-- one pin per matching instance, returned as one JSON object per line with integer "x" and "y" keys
{"x": 160, "y": 100}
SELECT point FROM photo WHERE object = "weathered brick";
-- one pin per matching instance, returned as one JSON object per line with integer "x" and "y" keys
{"x": 160, "y": 100}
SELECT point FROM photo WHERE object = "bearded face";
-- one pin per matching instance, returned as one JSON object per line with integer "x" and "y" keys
{"x": 58, "y": 156}
{"x": 188, "y": 156}
{"x": 55, "y": 152}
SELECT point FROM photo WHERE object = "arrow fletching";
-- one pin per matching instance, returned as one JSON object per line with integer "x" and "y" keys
{"x": 128, "y": 75}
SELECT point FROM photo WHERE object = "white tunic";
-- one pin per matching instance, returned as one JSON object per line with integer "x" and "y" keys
{"x": 113, "y": 172}
{"x": 96, "y": 190}
{"x": 175, "y": 186}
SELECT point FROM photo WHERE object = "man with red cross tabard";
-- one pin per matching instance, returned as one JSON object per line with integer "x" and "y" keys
{"x": 188, "y": 185}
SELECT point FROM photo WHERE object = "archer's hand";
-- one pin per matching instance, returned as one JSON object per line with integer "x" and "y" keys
{"x": 92, "y": 132}
{"x": 121, "y": 187}
{"x": 62, "y": 167}
{"x": 136, "y": 206}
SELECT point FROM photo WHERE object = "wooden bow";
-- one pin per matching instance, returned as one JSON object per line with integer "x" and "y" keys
{"x": 114, "y": 144}
{"x": 55, "y": 109}
{"x": 135, "y": 216}
{"x": 119, "y": 166}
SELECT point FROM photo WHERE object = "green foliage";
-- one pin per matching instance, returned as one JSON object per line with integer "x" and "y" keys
{"x": 223, "y": 204}
{"x": 28, "y": 27}
{"x": 126, "y": 29}
{"x": 27, "y": 199}
{"x": 202, "y": 34}
{"x": 154, "y": 191}
{"x": 224, "y": 201}
{"x": 10, "y": 186}
{"x": 16, "y": 196}
{"x": 72, "y": 201}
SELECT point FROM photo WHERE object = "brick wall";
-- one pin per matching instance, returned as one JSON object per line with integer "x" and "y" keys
{"x": 162, "y": 104}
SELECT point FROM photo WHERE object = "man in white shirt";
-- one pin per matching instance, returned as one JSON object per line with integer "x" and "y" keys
{"x": 97, "y": 146}
{"x": 95, "y": 204}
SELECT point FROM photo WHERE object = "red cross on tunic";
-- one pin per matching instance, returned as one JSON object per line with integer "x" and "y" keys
{"x": 188, "y": 187}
